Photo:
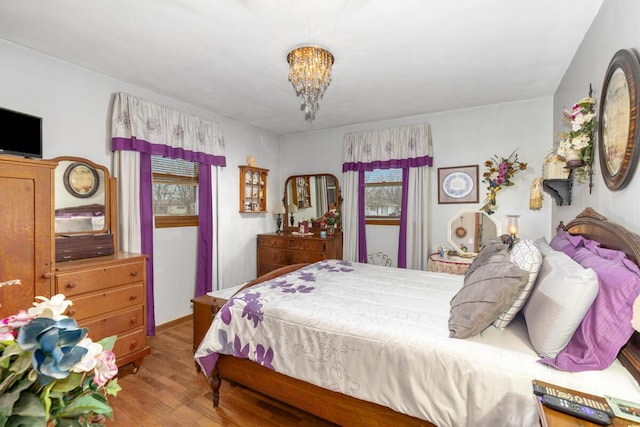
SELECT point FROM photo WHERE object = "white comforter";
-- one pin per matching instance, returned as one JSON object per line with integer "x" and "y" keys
{"x": 380, "y": 334}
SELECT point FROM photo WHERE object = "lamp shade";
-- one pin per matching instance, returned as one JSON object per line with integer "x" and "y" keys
{"x": 279, "y": 209}
{"x": 293, "y": 208}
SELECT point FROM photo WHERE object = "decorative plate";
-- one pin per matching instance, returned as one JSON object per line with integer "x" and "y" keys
{"x": 457, "y": 185}
{"x": 81, "y": 180}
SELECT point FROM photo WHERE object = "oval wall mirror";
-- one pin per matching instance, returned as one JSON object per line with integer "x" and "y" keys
{"x": 310, "y": 196}
{"x": 469, "y": 228}
{"x": 81, "y": 196}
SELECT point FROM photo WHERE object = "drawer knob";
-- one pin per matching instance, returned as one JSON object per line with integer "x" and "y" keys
{"x": 72, "y": 312}
{"x": 72, "y": 285}
{"x": 47, "y": 275}
{"x": 134, "y": 273}
{"x": 134, "y": 320}
{"x": 133, "y": 297}
{"x": 133, "y": 344}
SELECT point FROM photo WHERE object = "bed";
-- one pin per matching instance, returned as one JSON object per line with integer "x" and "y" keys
{"x": 418, "y": 374}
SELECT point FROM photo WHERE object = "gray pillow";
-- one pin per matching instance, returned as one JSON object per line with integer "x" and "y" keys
{"x": 487, "y": 292}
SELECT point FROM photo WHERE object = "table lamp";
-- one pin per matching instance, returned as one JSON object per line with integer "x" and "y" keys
{"x": 292, "y": 210}
{"x": 279, "y": 210}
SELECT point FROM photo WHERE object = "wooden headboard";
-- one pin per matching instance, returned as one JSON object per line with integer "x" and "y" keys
{"x": 594, "y": 226}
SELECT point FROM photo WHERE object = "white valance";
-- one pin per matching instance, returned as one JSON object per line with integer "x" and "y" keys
{"x": 140, "y": 125}
{"x": 411, "y": 144}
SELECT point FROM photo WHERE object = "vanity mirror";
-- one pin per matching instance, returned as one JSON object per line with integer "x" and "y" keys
{"x": 469, "y": 228}
{"x": 310, "y": 196}
{"x": 82, "y": 195}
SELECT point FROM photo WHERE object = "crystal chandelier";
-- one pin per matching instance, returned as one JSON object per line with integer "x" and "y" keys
{"x": 310, "y": 75}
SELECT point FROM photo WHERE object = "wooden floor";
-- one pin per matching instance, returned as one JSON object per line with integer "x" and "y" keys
{"x": 167, "y": 391}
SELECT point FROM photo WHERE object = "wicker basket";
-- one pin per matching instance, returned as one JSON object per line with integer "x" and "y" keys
{"x": 554, "y": 167}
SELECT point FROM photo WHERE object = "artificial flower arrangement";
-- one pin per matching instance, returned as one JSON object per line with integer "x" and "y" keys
{"x": 331, "y": 217}
{"x": 576, "y": 145}
{"x": 499, "y": 173}
{"x": 51, "y": 372}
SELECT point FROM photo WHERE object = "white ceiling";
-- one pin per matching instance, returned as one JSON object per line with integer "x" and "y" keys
{"x": 392, "y": 58}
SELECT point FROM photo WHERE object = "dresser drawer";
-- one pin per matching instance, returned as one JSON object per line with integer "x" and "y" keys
{"x": 78, "y": 282}
{"x": 104, "y": 302}
{"x": 273, "y": 256}
{"x": 298, "y": 244}
{"x": 128, "y": 343}
{"x": 116, "y": 324}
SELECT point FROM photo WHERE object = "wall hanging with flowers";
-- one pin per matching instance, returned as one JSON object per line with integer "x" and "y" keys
{"x": 51, "y": 373}
{"x": 576, "y": 146}
{"x": 499, "y": 173}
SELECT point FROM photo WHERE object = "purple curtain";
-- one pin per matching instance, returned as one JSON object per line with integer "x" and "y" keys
{"x": 146, "y": 234}
{"x": 204, "y": 280}
{"x": 405, "y": 165}
{"x": 362, "y": 224}
{"x": 205, "y": 229}
{"x": 402, "y": 238}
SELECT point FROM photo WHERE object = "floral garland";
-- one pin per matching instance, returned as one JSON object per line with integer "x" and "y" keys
{"x": 499, "y": 173}
{"x": 579, "y": 140}
{"x": 50, "y": 371}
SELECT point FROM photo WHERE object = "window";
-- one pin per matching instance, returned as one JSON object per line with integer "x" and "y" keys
{"x": 175, "y": 192}
{"x": 383, "y": 196}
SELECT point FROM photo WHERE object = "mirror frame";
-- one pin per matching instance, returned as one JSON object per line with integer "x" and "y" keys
{"x": 287, "y": 223}
{"x": 61, "y": 184}
{"x": 450, "y": 230}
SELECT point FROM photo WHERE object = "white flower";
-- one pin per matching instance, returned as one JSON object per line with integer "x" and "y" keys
{"x": 90, "y": 359}
{"x": 57, "y": 304}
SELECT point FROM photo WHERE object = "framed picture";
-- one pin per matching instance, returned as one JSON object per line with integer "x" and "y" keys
{"x": 458, "y": 184}
{"x": 623, "y": 409}
{"x": 618, "y": 119}
{"x": 81, "y": 180}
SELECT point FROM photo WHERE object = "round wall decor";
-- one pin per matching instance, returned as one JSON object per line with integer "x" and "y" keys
{"x": 81, "y": 180}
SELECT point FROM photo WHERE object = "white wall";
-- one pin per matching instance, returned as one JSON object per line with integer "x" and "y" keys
{"x": 461, "y": 137}
{"x": 615, "y": 27}
{"x": 74, "y": 104}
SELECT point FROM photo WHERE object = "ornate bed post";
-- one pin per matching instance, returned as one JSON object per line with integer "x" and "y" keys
{"x": 214, "y": 382}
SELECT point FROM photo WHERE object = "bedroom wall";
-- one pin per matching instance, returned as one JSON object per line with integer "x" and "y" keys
{"x": 615, "y": 27}
{"x": 74, "y": 105}
{"x": 460, "y": 137}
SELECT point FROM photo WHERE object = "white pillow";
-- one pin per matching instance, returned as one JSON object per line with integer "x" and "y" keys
{"x": 561, "y": 297}
{"x": 527, "y": 257}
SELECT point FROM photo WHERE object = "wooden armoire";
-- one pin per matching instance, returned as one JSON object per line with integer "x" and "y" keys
{"x": 26, "y": 232}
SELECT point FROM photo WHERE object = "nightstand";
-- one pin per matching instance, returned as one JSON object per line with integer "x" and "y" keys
{"x": 552, "y": 418}
{"x": 448, "y": 264}
{"x": 204, "y": 308}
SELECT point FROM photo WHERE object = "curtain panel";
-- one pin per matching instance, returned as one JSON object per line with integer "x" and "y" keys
{"x": 142, "y": 127}
{"x": 405, "y": 147}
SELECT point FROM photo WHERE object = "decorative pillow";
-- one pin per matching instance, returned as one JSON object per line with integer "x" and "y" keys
{"x": 488, "y": 291}
{"x": 563, "y": 293}
{"x": 543, "y": 246}
{"x": 607, "y": 325}
{"x": 527, "y": 257}
{"x": 493, "y": 245}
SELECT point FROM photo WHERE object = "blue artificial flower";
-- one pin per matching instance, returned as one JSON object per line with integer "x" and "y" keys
{"x": 53, "y": 343}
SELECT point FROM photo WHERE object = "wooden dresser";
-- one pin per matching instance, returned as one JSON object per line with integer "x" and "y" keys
{"x": 276, "y": 250}
{"x": 109, "y": 298}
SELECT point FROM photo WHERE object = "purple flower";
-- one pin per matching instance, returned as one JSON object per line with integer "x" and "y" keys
{"x": 240, "y": 351}
{"x": 265, "y": 358}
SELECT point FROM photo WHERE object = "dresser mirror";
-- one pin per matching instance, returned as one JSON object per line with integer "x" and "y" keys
{"x": 309, "y": 196}
{"x": 81, "y": 196}
{"x": 469, "y": 229}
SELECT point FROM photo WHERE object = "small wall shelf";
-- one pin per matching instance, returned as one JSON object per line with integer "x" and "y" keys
{"x": 253, "y": 189}
{"x": 559, "y": 189}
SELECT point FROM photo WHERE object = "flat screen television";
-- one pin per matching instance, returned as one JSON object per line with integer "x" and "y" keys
{"x": 20, "y": 134}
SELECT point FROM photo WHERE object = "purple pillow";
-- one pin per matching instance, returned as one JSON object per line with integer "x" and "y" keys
{"x": 569, "y": 243}
{"x": 607, "y": 325}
